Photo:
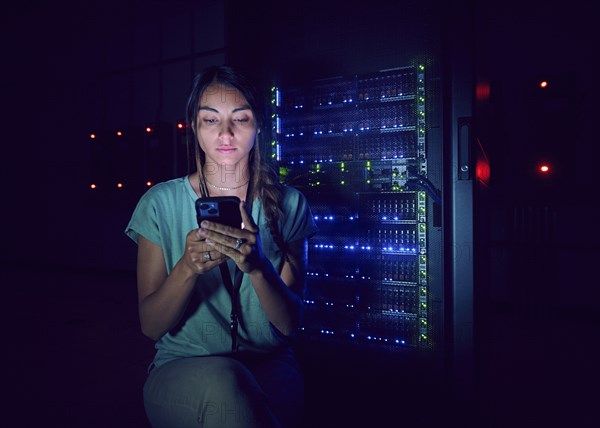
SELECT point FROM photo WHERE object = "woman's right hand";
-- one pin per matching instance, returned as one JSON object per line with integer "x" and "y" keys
{"x": 198, "y": 255}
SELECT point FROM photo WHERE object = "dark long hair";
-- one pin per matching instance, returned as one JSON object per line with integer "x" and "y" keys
{"x": 263, "y": 180}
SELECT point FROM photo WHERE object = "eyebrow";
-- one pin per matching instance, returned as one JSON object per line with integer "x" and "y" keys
{"x": 244, "y": 107}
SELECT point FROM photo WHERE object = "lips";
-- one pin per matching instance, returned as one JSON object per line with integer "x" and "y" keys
{"x": 226, "y": 149}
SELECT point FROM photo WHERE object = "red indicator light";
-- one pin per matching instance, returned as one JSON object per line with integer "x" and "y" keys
{"x": 482, "y": 91}
{"x": 92, "y": 186}
{"x": 119, "y": 185}
{"x": 148, "y": 183}
{"x": 119, "y": 134}
{"x": 148, "y": 130}
{"x": 543, "y": 84}
{"x": 180, "y": 125}
{"x": 544, "y": 168}
{"x": 92, "y": 136}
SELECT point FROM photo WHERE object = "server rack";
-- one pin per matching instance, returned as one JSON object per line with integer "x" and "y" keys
{"x": 357, "y": 147}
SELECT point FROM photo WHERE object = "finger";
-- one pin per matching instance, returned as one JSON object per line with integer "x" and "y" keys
{"x": 195, "y": 235}
{"x": 212, "y": 256}
{"x": 247, "y": 219}
{"x": 223, "y": 249}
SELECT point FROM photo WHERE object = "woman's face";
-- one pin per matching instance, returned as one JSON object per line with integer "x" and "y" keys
{"x": 226, "y": 126}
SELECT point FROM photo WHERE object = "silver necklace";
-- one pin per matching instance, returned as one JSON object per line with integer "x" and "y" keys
{"x": 225, "y": 188}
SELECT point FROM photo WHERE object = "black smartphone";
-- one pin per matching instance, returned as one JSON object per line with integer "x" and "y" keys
{"x": 220, "y": 209}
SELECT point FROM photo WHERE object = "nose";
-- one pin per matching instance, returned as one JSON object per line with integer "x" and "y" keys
{"x": 226, "y": 132}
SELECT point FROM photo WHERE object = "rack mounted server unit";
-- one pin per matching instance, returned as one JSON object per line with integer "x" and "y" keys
{"x": 357, "y": 147}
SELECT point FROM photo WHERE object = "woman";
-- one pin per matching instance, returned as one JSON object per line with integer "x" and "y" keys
{"x": 218, "y": 363}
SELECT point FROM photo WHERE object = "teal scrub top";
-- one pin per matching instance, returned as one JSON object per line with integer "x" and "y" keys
{"x": 164, "y": 215}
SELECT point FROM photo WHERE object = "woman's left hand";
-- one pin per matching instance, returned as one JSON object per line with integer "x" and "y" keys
{"x": 241, "y": 245}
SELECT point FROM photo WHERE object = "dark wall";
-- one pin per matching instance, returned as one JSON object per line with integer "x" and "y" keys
{"x": 95, "y": 67}
{"x": 542, "y": 227}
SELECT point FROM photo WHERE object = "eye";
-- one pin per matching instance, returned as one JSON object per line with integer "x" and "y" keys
{"x": 241, "y": 119}
{"x": 209, "y": 120}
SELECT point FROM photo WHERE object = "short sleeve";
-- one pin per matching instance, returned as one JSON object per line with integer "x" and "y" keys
{"x": 298, "y": 222}
{"x": 144, "y": 220}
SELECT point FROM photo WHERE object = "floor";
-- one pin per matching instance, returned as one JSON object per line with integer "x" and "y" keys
{"x": 76, "y": 358}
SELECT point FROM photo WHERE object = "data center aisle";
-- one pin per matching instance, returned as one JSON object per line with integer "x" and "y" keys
{"x": 76, "y": 358}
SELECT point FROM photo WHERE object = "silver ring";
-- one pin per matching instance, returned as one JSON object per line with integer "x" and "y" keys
{"x": 207, "y": 256}
{"x": 238, "y": 243}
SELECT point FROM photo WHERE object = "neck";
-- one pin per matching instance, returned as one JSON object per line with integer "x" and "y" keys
{"x": 226, "y": 176}
{"x": 230, "y": 189}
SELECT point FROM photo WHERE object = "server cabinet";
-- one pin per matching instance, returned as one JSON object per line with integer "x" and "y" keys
{"x": 360, "y": 149}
